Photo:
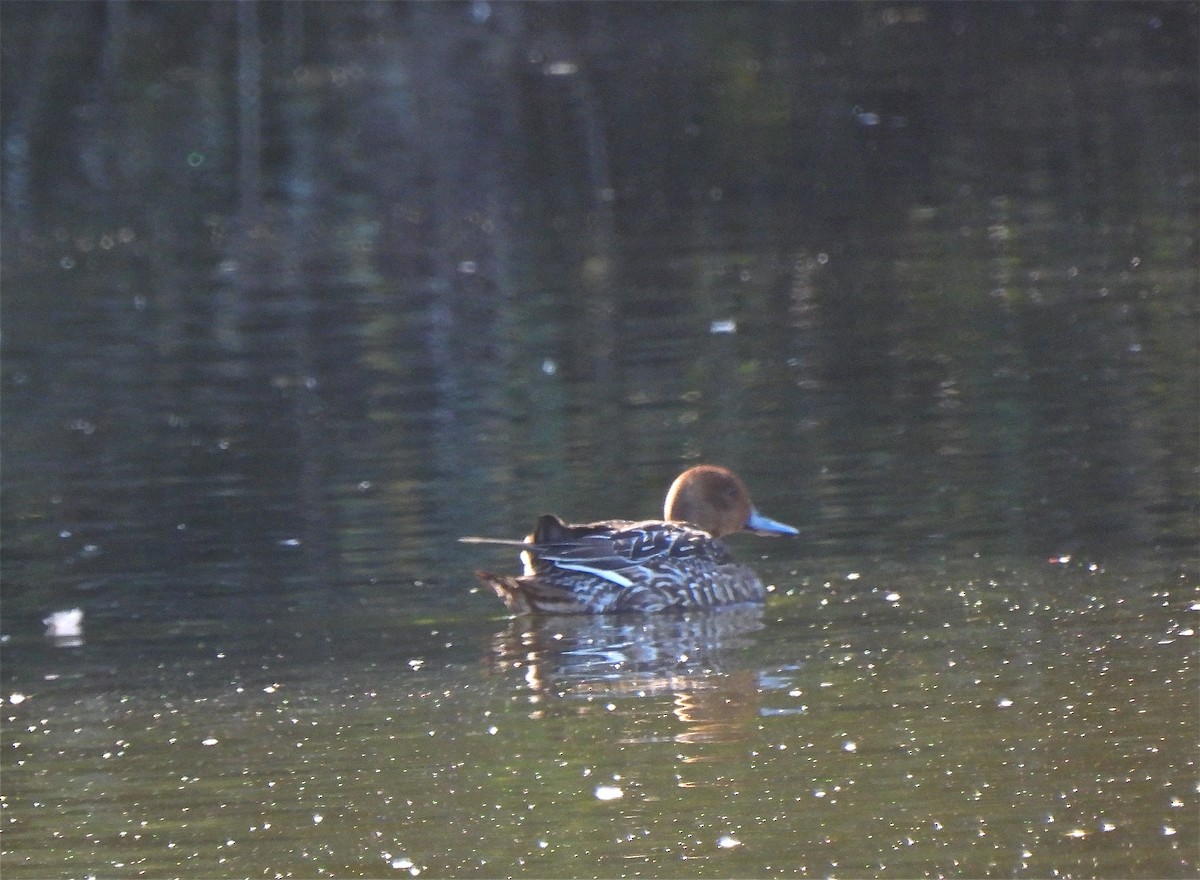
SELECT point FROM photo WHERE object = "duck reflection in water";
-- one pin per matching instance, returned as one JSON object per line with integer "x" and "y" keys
{"x": 638, "y": 661}
{"x": 652, "y": 565}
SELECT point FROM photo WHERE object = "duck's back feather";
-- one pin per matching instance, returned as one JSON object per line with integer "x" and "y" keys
{"x": 619, "y": 545}
{"x": 619, "y": 566}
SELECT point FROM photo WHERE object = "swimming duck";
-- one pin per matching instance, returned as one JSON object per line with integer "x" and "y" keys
{"x": 619, "y": 565}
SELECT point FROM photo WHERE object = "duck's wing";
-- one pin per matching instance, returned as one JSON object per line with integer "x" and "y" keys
{"x": 612, "y": 550}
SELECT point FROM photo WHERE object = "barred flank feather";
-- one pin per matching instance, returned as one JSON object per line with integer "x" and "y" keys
{"x": 570, "y": 592}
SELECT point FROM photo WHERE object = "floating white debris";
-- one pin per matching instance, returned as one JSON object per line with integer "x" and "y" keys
{"x": 211, "y": 741}
{"x": 892, "y": 597}
{"x": 549, "y": 366}
{"x": 853, "y": 575}
{"x": 849, "y": 746}
{"x": 727, "y": 325}
{"x": 727, "y": 841}
{"x": 1004, "y": 702}
{"x": 318, "y": 818}
{"x": 608, "y": 792}
{"x": 64, "y": 624}
{"x": 17, "y": 699}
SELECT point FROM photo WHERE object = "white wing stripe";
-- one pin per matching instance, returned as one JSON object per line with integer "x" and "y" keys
{"x": 619, "y": 580}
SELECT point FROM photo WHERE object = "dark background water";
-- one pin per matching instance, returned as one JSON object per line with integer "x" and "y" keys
{"x": 296, "y": 294}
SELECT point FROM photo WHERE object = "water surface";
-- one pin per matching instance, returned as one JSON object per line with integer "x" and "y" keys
{"x": 295, "y": 295}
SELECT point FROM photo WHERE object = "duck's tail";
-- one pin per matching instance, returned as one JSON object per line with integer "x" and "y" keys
{"x": 510, "y": 590}
{"x": 532, "y": 595}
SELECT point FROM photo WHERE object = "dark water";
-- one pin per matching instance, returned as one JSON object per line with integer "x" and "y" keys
{"x": 294, "y": 295}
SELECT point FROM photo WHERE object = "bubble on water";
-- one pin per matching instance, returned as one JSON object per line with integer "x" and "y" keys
{"x": 727, "y": 841}
{"x": 608, "y": 792}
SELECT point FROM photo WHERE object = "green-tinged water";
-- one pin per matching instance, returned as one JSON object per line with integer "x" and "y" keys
{"x": 968, "y": 719}
{"x": 295, "y": 295}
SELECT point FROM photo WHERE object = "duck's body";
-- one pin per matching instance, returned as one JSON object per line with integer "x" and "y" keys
{"x": 652, "y": 565}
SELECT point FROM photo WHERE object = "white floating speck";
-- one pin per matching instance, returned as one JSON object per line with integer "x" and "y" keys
{"x": 1004, "y": 702}
{"x": 849, "y": 746}
{"x": 726, "y": 841}
{"x": 17, "y": 699}
{"x": 1168, "y": 831}
{"x": 728, "y": 325}
{"x": 892, "y": 597}
{"x": 853, "y": 575}
{"x": 318, "y": 818}
{"x": 211, "y": 741}
{"x": 65, "y": 624}
{"x": 608, "y": 792}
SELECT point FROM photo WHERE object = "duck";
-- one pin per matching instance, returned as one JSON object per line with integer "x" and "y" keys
{"x": 617, "y": 566}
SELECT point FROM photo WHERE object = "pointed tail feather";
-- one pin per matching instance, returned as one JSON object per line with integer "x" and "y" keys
{"x": 530, "y": 595}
